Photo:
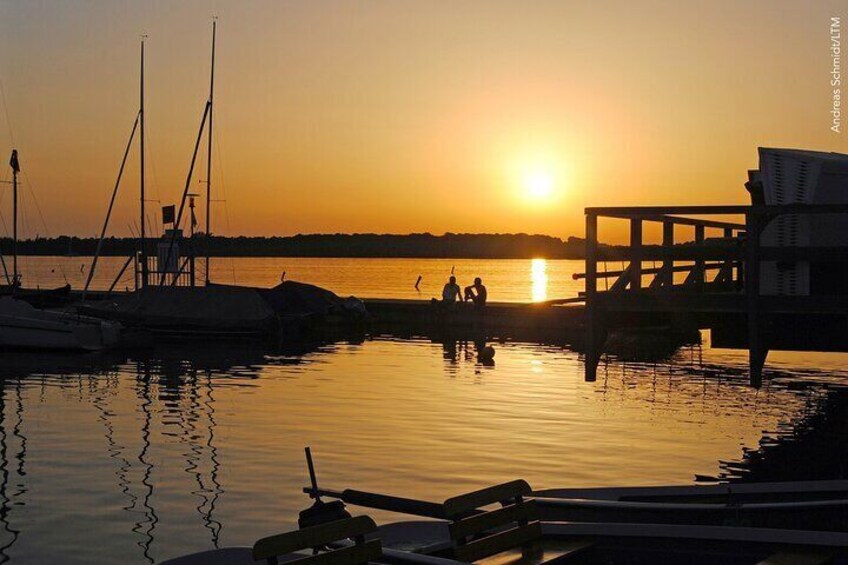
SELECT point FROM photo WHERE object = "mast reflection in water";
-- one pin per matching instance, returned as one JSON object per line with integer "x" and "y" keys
{"x": 106, "y": 459}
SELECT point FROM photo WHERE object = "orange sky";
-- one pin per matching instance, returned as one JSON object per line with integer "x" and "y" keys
{"x": 409, "y": 116}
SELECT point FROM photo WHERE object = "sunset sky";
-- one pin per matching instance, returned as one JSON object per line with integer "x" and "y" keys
{"x": 396, "y": 116}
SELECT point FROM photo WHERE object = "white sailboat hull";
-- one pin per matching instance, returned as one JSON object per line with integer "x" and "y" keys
{"x": 25, "y": 327}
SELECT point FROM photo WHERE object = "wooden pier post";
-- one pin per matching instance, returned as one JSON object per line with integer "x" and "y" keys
{"x": 636, "y": 250}
{"x": 757, "y": 350}
{"x": 699, "y": 264}
{"x": 668, "y": 264}
{"x": 595, "y": 333}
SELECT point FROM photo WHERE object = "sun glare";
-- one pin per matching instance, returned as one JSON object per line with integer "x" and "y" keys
{"x": 538, "y": 178}
{"x": 538, "y": 185}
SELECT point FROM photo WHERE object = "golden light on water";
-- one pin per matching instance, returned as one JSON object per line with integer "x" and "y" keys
{"x": 539, "y": 279}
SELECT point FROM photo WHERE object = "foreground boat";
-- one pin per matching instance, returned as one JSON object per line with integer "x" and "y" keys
{"x": 804, "y": 505}
{"x": 511, "y": 532}
{"x": 23, "y": 326}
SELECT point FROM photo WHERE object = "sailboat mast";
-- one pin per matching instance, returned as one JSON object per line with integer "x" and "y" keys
{"x": 141, "y": 167}
{"x": 209, "y": 156}
{"x": 15, "y": 168}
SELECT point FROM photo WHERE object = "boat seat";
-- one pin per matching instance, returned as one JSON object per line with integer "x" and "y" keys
{"x": 508, "y": 533}
{"x": 418, "y": 536}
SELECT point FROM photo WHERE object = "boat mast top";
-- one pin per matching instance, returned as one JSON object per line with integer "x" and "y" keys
{"x": 209, "y": 154}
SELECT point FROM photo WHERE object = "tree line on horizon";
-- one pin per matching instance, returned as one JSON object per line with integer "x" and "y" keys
{"x": 417, "y": 245}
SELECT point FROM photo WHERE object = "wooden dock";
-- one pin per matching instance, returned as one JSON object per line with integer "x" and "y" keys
{"x": 731, "y": 302}
{"x": 497, "y": 319}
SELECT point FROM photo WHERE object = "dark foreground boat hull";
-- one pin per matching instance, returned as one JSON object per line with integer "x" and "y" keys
{"x": 827, "y": 515}
{"x": 596, "y": 544}
{"x": 808, "y": 505}
{"x": 630, "y": 544}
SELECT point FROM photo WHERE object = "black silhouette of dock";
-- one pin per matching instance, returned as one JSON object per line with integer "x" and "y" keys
{"x": 717, "y": 283}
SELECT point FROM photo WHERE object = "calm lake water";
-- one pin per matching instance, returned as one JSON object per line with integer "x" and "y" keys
{"x": 143, "y": 457}
{"x": 509, "y": 280}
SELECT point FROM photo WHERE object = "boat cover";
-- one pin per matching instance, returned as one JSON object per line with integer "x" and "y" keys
{"x": 213, "y": 307}
{"x": 291, "y": 298}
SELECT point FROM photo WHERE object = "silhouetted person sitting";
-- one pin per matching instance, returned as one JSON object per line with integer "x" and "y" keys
{"x": 476, "y": 293}
{"x": 450, "y": 293}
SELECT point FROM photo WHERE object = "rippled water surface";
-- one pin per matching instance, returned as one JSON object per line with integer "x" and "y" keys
{"x": 143, "y": 458}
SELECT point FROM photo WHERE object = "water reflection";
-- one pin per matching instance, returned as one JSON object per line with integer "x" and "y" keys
{"x": 539, "y": 278}
{"x": 9, "y": 533}
{"x": 812, "y": 447}
{"x": 474, "y": 349}
{"x": 184, "y": 449}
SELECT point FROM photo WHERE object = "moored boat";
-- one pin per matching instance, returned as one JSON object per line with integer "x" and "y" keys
{"x": 805, "y": 505}
{"x": 38, "y": 297}
{"x": 23, "y": 326}
{"x": 500, "y": 524}
{"x": 193, "y": 312}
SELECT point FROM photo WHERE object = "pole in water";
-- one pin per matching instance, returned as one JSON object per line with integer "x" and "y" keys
{"x": 418, "y": 281}
{"x": 452, "y": 268}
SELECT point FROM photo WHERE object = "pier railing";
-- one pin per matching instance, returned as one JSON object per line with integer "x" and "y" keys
{"x": 734, "y": 256}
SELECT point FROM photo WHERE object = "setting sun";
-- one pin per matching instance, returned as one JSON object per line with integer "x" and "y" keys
{"x": 538, "y": 185}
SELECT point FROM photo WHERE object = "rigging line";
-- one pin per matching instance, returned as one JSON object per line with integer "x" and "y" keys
{"x": 109, "y": 210}
{"x": 3, "y": 220}
{"x": 179, "y": 217}
{"x": 148, "y": 147}
{"x": 224, "y": 200}
{"x": 29, "y": 185}
{"x": 6, "y": 112}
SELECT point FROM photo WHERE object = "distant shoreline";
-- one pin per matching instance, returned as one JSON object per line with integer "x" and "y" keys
{"x": 364, "y": 246}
